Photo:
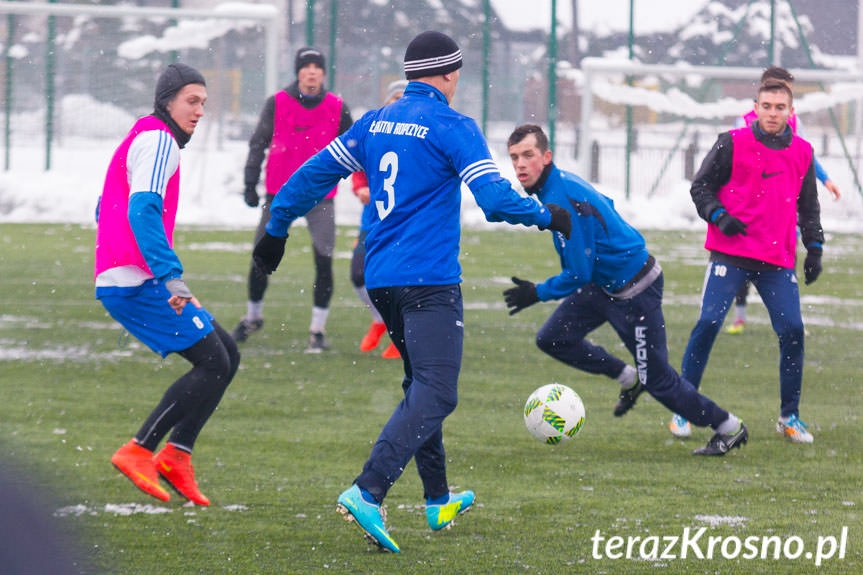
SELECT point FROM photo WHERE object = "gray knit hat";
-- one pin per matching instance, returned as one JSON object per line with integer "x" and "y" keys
{"x": 175, "y": 77}
{"x": 393, "y": 88}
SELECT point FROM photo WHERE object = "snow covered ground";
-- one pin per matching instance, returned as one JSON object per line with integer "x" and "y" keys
{"x": 212, "y": 183}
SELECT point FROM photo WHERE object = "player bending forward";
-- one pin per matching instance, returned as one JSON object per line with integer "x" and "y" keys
{"x": 607, "y": 276}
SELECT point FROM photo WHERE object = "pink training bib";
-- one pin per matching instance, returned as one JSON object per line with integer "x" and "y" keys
{"x": 762, "y": 192}
{"x": 299, "y": 134}
{"x": 115, "y": 242}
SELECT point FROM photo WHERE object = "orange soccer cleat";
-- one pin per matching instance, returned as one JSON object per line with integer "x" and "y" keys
{"x": 392, "y": 352}
{"x": 136, "y": 463}
{"x": 373, "y": 336}
{"x": 175, "y": 465}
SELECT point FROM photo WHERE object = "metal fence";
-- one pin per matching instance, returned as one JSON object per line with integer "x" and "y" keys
{"x": 86, "y": 71}
{"x": 80, "y": 74}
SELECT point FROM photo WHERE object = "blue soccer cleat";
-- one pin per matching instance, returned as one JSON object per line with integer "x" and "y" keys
{"x": 369, "y": 516}
{"x": 440, "y": 516}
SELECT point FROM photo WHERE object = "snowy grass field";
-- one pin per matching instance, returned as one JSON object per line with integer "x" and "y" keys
{"x": 294, "y": 430}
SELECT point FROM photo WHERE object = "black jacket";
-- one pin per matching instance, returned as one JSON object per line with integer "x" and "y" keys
{"x": 715, "y": 172}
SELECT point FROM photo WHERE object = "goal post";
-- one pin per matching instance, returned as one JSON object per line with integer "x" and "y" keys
{"x": 265, "y": 14}
{"x": 94, "y": 66}
{"x": 604, "y": 80}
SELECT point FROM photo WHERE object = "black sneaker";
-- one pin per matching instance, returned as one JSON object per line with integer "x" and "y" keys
{"x": 627, "y": 399}
{"x": 721, "y": 443}
{"x": 317, "y": 343}
{"x": 245, "y": 328}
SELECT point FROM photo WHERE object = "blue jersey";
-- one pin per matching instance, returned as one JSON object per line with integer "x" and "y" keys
{"x": 602, "y": 248}
{"x": 416, "y": 152}
{"x": 368, "y": 216}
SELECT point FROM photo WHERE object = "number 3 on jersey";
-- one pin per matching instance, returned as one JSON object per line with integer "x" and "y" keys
{"x": 389, "y": 162}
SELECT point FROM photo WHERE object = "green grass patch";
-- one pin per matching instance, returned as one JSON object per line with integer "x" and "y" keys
{"x": 294, "y": 430}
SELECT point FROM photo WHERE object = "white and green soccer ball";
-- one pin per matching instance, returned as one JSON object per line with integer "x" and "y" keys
{"x": 554, "y": 413}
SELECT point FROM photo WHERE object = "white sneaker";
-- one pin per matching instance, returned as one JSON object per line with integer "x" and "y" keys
{"x": 679, "y": 427}
{"x": 794, "y": 429}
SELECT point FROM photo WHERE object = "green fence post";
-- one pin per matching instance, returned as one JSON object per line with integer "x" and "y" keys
{"x": 552, "y": 75}
{"x": 334, "y": 10}
{"x": 175, "y": 55}
{"x": 7, "y": 90}
{"x": 630, "y": 42}
{"x": 50, "y": 53}
{"x": 771, "y": 47}
{"x": 310, "y": 22}
{"x": 486, "y": 41}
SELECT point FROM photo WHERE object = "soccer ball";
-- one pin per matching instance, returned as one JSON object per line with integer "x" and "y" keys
{"x": 554, "y": 413}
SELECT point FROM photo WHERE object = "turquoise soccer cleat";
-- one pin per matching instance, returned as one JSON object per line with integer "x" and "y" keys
{"x": 679, "y": 427}
{"x": 440, "y": 516}
{"x": 794, "y": 429}
{"x": 369, "y": 516}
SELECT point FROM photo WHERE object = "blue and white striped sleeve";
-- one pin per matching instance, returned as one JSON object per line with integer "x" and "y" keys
{"x": 341, "y": 154}
{"x": 474, "y": 172}
{"x": 152, "y": 159}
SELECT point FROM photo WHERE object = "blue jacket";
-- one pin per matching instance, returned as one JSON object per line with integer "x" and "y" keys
{"x": 602, "y": 248}
{"x": 416, "y": 153}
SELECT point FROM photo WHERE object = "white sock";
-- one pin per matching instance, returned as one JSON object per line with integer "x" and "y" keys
{"x": 254, "y": 310}
{"x": 740, "y": 313}
{"x": 730, "y": 425}
{"x": 364, "y": 297}
{"x": 627, "y": 377}
{"x": 319, "y": 319}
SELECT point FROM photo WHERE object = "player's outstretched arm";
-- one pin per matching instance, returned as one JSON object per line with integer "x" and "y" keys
{"x": 268, "y": 253}
{"x": 311, "y": 183}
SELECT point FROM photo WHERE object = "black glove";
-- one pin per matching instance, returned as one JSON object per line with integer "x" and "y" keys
{"x": 812, "y": 265}
{"x": 251, "y": 197}
{"x": 561, "y": 221}
{"x": 521, "y": 296}
{"x": 729, "y": 225}
{"x": 268, "y": 253}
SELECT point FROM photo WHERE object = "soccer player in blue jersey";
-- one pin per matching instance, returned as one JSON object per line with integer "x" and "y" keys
{"x": 607, "y": 276}
{"x": 416, "y": 153}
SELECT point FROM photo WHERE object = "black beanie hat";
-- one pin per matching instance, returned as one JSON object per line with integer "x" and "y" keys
{"x": 431, "y": 54}
{"x": 173, "y": 79}
{"x": 308, "y": 55}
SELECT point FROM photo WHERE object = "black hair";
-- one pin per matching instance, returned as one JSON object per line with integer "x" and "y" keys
{"x": 777, "y": 73}
{"x": 525, "y": 130}
{"x": 776, "y": 86}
